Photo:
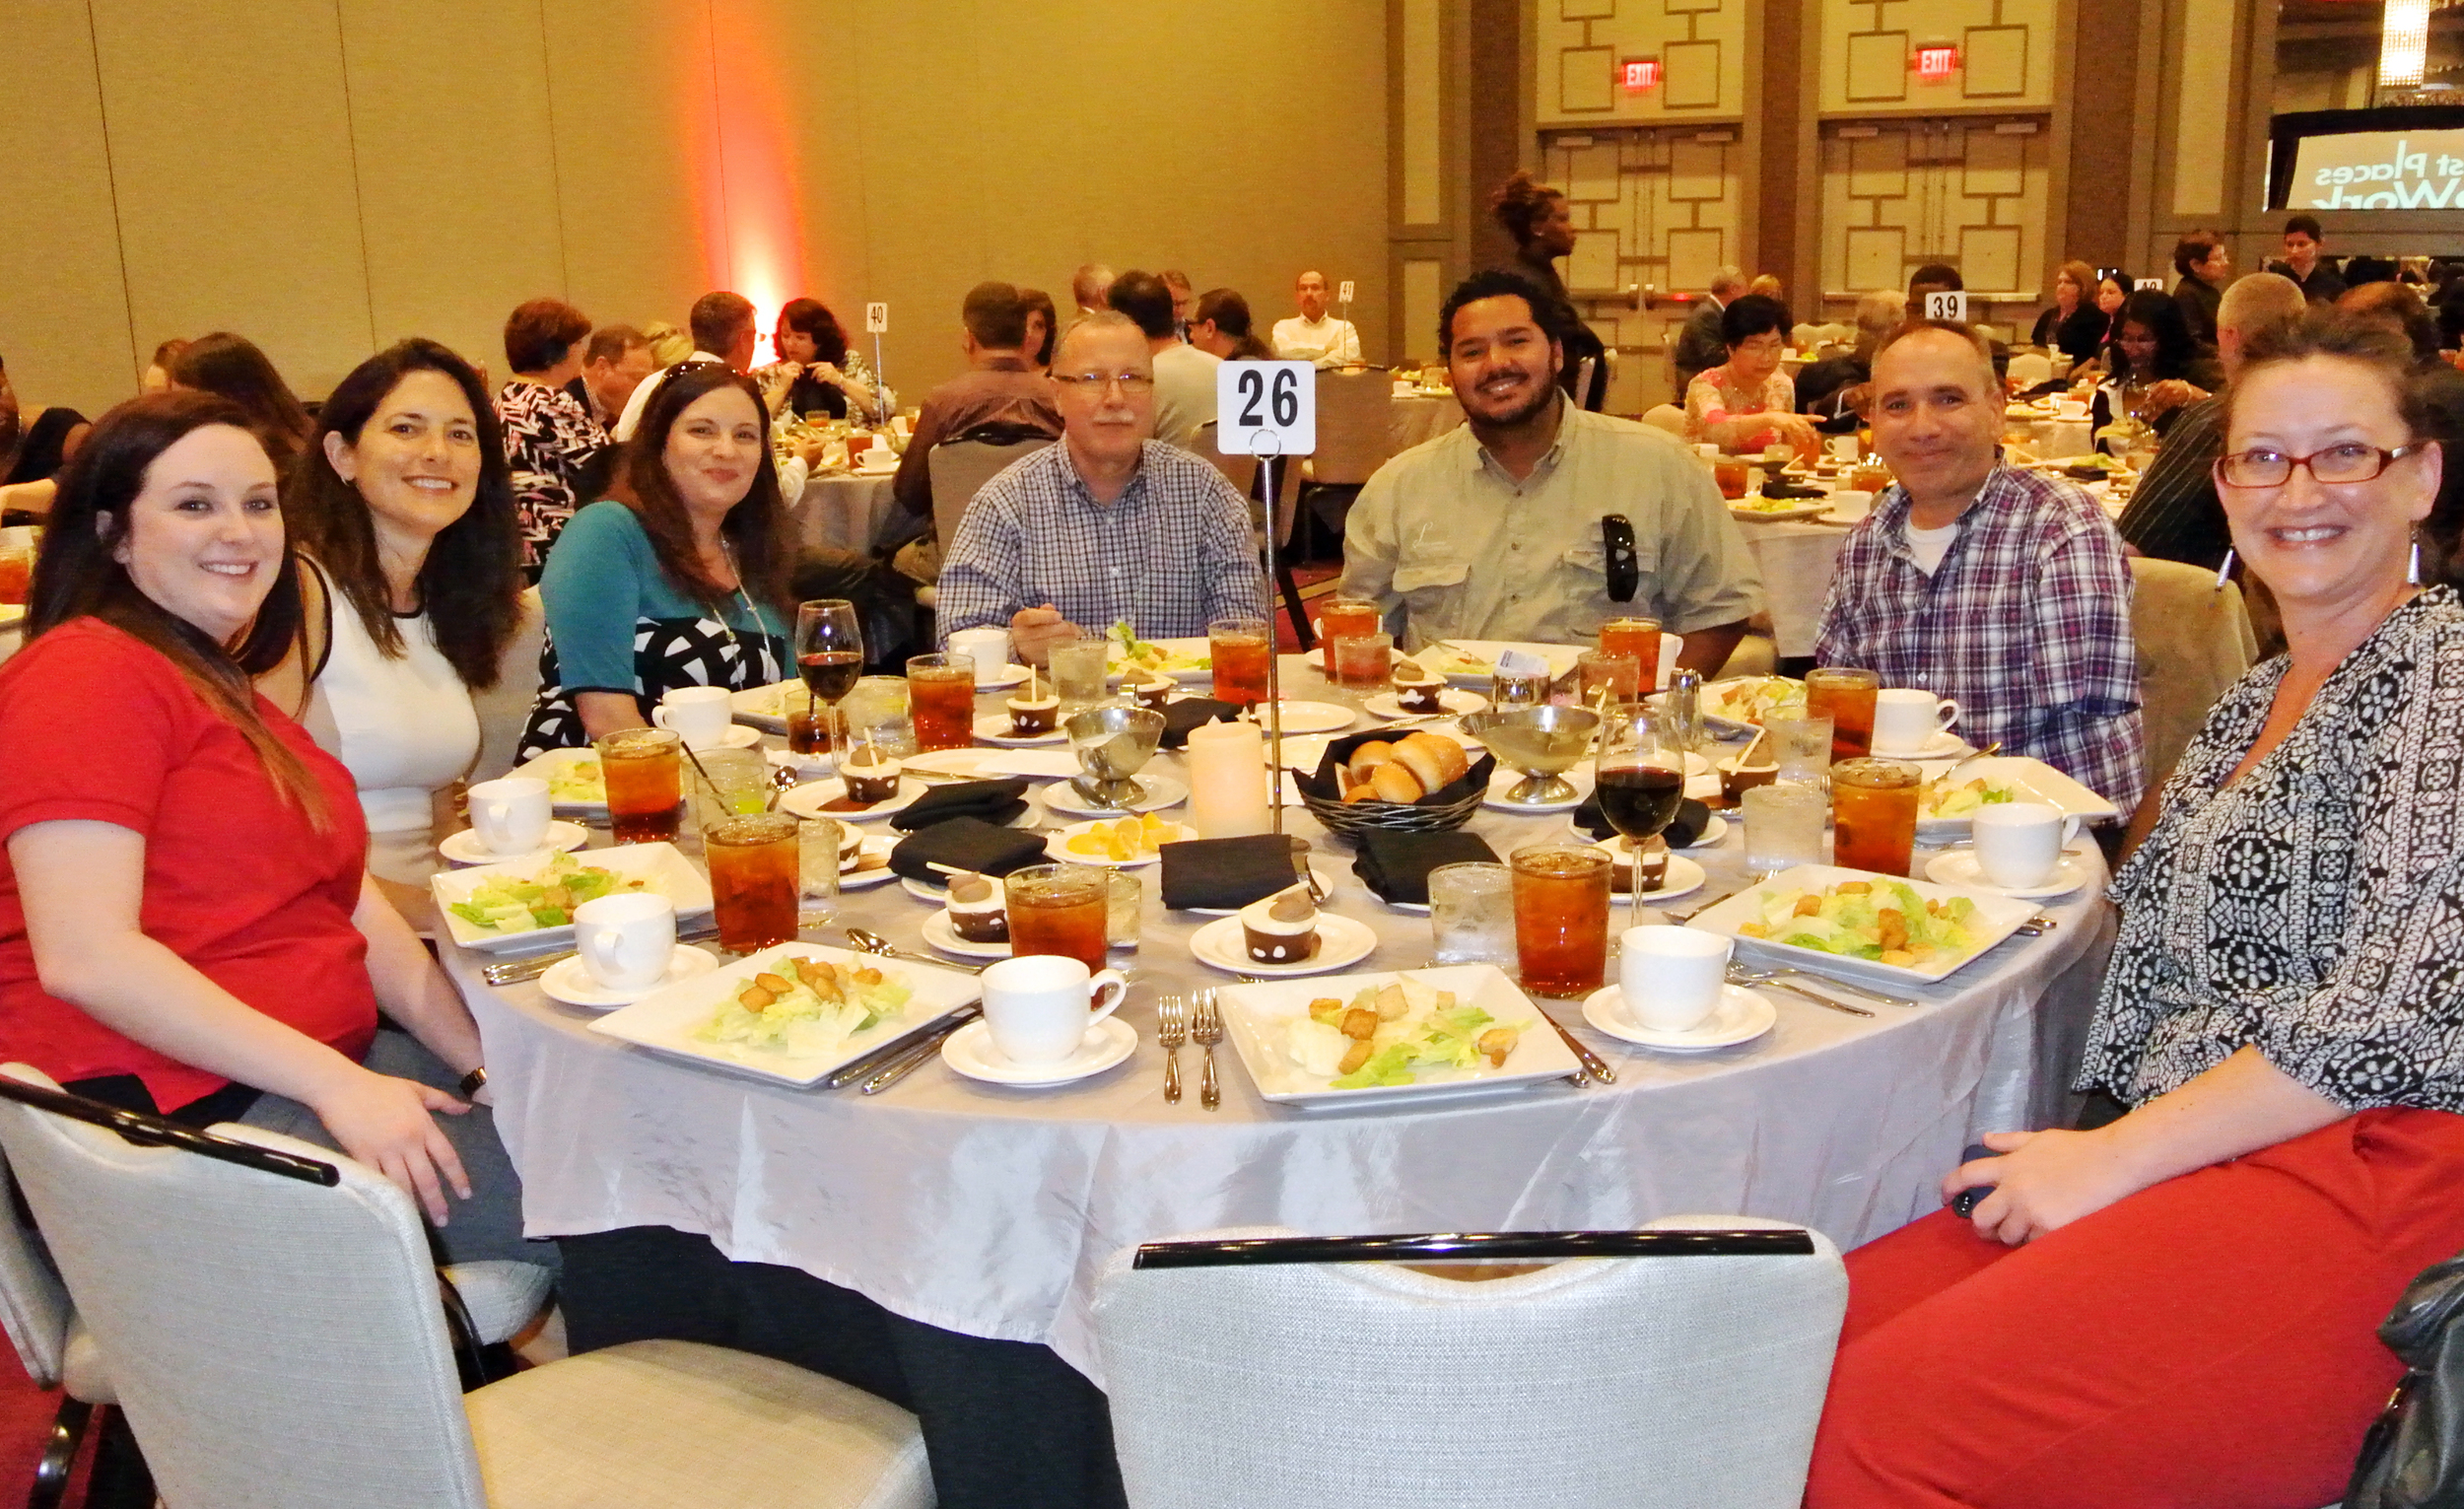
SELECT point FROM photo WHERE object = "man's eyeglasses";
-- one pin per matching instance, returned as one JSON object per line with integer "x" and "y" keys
{"x": 1131, "y": 384}
{"x": 2350, "y": 462}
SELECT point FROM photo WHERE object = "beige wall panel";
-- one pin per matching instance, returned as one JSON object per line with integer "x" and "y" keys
{"x": 1422, "y": 121}
{"x": 63, "y": 314}
{"x": 1584, "y": 10}
{"x": 1591, "y": 172}
{"x": 1584, "y": 83}
{"x": 1693, "y": 79}
{"x": 2203, "y": 96}
{"x": 1993, "y": 63}
{"x": 456, "y": 168}
{"x": 1700, "y": 44}
{"x": 1878, "y": 68}
{"x": 1693, "y": 256}
{"x": 1697, "y": 171}
{"x": 231, "y": 150}
{"x": 1422, "y": 299}
{"x": 1989, "y": 257}
{"x": 1877, "y": 259}
{"x": 1994, "y": 163}
{"x": 2006, "y": 52}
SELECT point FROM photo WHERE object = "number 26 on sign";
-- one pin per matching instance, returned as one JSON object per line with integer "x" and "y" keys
{"x": 1267, "y": 408}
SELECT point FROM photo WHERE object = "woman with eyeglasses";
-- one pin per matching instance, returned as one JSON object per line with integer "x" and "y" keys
{"x": 2176, "y": 1301}
{"x": 1747, "y": 402}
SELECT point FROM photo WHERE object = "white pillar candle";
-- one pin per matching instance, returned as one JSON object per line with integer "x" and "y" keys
{"x": 1228, "y": 781}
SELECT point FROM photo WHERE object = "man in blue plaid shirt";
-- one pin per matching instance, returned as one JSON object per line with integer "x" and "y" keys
{"x": 1108, "y": 525}
{"x": 1973, "y": 579}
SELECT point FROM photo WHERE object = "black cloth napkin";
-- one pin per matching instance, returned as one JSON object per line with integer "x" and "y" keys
{"x": 1692, "y": 818}
{"x": 1325, "y": 783}
{"x": 1227, "y": 872}
{"x": 1190, "y": 712}
{"x": 995, "y": 801}
{"x": 968, "y": 843}
{"x": 1781, "y": 486}
{"x": 1396, "y": 865}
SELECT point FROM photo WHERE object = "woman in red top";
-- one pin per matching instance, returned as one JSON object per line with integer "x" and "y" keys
{"x": 186, "y": 922}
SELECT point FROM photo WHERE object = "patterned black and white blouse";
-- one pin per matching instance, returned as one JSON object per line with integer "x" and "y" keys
{"x": 2314, "y": 909}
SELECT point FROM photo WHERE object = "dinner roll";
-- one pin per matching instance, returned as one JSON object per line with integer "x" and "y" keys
{"x": 1395, "y": 782}
{"x": 1368, "y": 757}
{"x": 1364, "y": 792}
{"x": 1433, "y": 761}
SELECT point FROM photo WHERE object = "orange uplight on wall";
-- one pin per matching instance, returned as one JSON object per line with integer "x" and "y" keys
{"x": 1639, "y": 74}
{"x": 752, "y": 227}
{"x": 1935, "y": 64}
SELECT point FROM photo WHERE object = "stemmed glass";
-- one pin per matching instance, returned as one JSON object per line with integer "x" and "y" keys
{"x": 1639, "y": 771}
{"x": 830, "y": 657}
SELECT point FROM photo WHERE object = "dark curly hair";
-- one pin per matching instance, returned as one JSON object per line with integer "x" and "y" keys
{"x": 1555, "y": 319}
{"x": 1519, "y": 203}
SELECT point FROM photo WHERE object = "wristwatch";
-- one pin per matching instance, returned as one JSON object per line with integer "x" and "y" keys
{"x": 472, "y": 1082}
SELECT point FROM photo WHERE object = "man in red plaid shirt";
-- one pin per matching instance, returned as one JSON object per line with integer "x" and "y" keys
{"x": 1973, "y": 579}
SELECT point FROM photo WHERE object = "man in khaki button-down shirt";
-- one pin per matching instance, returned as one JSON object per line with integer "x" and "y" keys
{"x": 1492, "y": 532}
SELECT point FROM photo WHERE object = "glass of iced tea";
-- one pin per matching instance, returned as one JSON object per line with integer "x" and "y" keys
{"x": 1058, "y": 909}
{"x": 1241, "y": 649}
{"x": 1342, "y": 618}
{"x": 1733, "y": 476}
{"x": 756, "y": 874}
{"x": 1597, "y": 671}
{"x": 1561, "y": 917}
{"x": 1873, "y": 814}
{"x": 17, "y": 572}
{"x": 1637, "y": 637}
{"x": 645, "y": 784}
{"x": 1845, "y": 697}
{"x": 941, "y": 697}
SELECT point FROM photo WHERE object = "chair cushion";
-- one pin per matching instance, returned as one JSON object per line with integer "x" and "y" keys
{"x": 83, "y": 1373}
{"x": 502, "y": 1296}
{"x": 655, "y": 1424}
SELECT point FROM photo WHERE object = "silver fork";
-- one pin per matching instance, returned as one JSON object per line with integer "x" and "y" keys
{"x": 1172, "y": 1029}
{"x": 1206, "y": 1031}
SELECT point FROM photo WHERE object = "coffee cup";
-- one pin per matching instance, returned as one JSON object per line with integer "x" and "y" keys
{"x": 625, "y": 940}
{"x": 2019, "y": 843}
{"x": 1851, "y": 505}
{"x": 510, "y": 816}
{"x": 1671, "y": 977}
{"x": 1038, "y": 1009}
{"x": 989, "y": 649}
{"x": 1906, "y": 719}
{"x": 1843, "y": 446}
{"x": 699, "y": 713}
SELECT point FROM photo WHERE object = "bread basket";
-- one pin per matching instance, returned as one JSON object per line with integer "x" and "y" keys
{"x": 1351, "y": 819}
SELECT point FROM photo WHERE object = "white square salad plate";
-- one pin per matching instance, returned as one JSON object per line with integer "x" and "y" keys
{"x": 556, "y": 768}
{"x": 1258, "y": 1017}
{"x": 2028, "y": 780}
{"x": 1996, "y": 918}
{"x": 666, "y": 871}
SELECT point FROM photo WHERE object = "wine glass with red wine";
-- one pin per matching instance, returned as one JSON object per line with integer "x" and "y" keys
{"x": 830, "y": 657}
{"x": 1640, "y": 775}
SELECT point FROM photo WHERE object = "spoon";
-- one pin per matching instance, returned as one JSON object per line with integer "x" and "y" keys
{"x": 1989, "y": 750}
{"x": 875, "y": 944}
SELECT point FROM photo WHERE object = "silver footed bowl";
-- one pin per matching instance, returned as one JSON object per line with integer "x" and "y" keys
{"x": 1541, "y": 742}
{"x": 1113, "y": 744}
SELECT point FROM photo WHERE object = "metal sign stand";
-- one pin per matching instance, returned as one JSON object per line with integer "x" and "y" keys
{"x": 1266, "y": 459}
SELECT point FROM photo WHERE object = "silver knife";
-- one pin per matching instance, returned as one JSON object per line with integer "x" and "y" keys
{"x": 875, "y": 1059}
{"x": 917, "y": 1056}
{"x": 515, "y": 971}
{"x": 1592, "y": 1064}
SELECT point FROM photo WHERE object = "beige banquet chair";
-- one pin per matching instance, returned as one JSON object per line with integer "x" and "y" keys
{"x": 277, "y": 1342}
{"x": 1239, "y": 470}
{"x": 505, "y": 708}
{"x": 1317, "y": 1372}
{"x": 959, "y": 468}
{"x": 1668, "y": 417}
{"x": 2195, "y": 641}
{"x": 2029, "y": 367}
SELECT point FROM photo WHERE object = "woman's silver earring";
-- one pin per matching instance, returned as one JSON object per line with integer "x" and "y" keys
{"x": 2413, "y": 573}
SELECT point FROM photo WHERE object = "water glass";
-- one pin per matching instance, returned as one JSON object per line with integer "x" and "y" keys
{"x": 1800, "y": 746}
{"x": 727, "y": 783}
{"x": 1078, "y": 674}
{"x": 1363, "y": 662}
{"x": 879, "y": 708}
{"x": 1123, "y": 900}
{"x": 1471, "y": 914}
{"x": 817, "y": 853}
{"x": 1783, "y": 825}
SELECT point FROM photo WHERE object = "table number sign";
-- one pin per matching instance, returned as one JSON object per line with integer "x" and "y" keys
{"x": 877, "y": 319}
{"x": 1267, "y": 408}
{"x": 2156, "y": 282}
{"x": 1950, "y": 304}
{"x": 1345, "y": 294}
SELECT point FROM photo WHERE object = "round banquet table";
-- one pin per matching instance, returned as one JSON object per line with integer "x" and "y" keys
{"x": 988, "y": 1210}
{"x": 844, "y": 511}
{"x": 1419, "y": 418}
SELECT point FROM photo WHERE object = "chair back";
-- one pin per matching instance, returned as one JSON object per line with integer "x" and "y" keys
{"x": 1804, "y": 333}
{"x": 1239, "y": 470}
{"x": 276, "y": 1342}
{"x": 1356, "y": 426}
{"x": 2194, "y": 643}
{"x": 1583, "y": 396}
{"x": 1668, "y": 417}
{"x": 1335, "y": 1382}
{"x": 2029, "y": 367}
{"x": 34, "y": 1304}
{"x": 505, "y": 708}
{"x": 959, "y": 468}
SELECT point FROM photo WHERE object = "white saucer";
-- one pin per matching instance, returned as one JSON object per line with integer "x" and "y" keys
{"x": 970, "y": 1052}
{"x": 1942, "y": 746}
{"x": 939, "y": 933}
{"x": 867, "y": 880}
{"x": 807, "y": 767}
{"x": 1340, "y": 941}
{"x": 994, "y": 728}
{"x": 1058, "y": 845}
{"x": 1740, "y": 1017}
{"x": 570, "y": 982}
{"x": 1684, "y": 876}
{"x": 861, "y": 469}
{"x": 733, "y": 736}
{"x": 806, "y": 801}
{"x": 1308, "y": 716}
{"x": 1459, "y": 702}
{"x": 562, "y": 838}
{"x": 1161, "y": 792}
{"x": 1958, "y": 867}
{"x": 1326, "y": 883}
{"x": 1007, "y": 676}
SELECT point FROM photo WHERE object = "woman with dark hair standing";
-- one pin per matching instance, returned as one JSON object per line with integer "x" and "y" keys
{"x": 558, "y": 452}
{"x": 406, "y": 525}
{"x": 2206, "y": 266}
{"x": 2158, "y": 368}
{"x": 829, "y": 376}
{"x": 685, "y": 583}
{"x": 1042, "y": 327}
{"x": 186, "y": 925}
{"x": 230, "y": 367}
{"x": 1536, "y": 216}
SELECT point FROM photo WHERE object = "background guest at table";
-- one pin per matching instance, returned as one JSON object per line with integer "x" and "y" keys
{"x": 1699, "y": 345}
{"x": 1542, "y": 226}
{"x": 157, "y": 377}
{"x": 1087, "y": 286}
{"x": 2178, "y": 1302}
{"x": 1110, "y": 525}
{"x": 2113, "y": 290}
{"x": 1769, "y": 286}
{"x": 1834, "y": 388}
{"x": 1185, "y": 377}
{"x": 1222, "y": 328}
{"x": 409, "y": 530}
{"x": 2206, "y": 265}
{"x": 2072, "y": 324}
{"x": 557, "y": 452}
{"x": 668, "y": 346}
{"x": 2158, "y": 368}
{"x": 724, "y": 333}
{"x": 1183, "y": 300}
{"x": 1747, "y": 402}
{"x": 44, "y": 445}
{"x": 685, "y": 582}
{"x": 185, "y": 923}
{"x": 2003, "y": 590}
{"x": 2173, "y": 514}
{"x": 1493, "y": 530}
{"x": 998, "y": 388}
{"x": 230, "y": 367}
{"x": 2305, "y": 263}
{"x": 832, "y": 376}
{"x": 616, "y": 362}
{"x": 1042, "y": 325}
{"x": 1314, "y": 335}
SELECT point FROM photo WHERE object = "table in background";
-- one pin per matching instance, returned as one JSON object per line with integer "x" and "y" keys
{"x": 1418, "y": 419}
{"x": 844, "y": 511}
{"x": 988, "y": 1210}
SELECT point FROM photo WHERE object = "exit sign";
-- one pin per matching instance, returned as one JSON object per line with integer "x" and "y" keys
{"x": 1937, "y": 63}
{"x": 1639, "y": 74}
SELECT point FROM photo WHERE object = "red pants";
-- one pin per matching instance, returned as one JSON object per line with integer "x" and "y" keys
{"x": 2209, "y": 1340}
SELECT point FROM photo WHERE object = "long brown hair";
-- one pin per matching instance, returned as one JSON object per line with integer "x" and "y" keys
{"x": 756, "y": 529}
{"x": 76, "y": 575}
{"x": 232, "y": 366}
{"x": 470, "y": 585}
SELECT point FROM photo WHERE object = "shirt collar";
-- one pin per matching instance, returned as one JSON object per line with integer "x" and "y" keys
{"x": 1479, "y": 460}
{"x": 1076, "y": 483}
{"x": 1005, "y": 362}
{"x": 1996, "y": 492}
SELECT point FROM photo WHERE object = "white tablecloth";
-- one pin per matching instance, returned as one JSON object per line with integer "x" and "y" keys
{"x": 987, "y": 1211}
{"x": 1418, "y": 419}
{"x": 848, "y": 513}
